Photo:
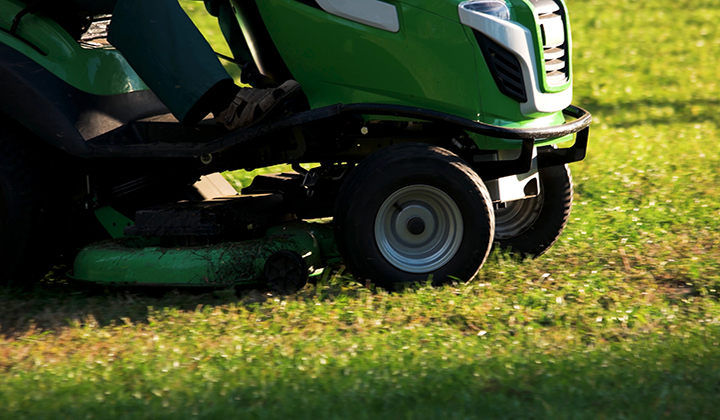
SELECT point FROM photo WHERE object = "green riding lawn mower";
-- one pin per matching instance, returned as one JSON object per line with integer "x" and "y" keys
{"x": 429, "y": 133}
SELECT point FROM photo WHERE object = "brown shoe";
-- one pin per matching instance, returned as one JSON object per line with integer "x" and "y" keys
{"x": 252, "y": 105}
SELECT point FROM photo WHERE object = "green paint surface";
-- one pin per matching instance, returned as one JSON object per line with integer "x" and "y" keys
{"x": 143, "y": 261}
{"x": 99, "y": 71}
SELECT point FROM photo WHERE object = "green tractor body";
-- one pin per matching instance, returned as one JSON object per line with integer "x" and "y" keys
{"x": 487, "y": 81}
{"x": 431, "y": 57}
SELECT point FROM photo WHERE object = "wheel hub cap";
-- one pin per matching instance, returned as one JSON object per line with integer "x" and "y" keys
{"x": 416, "y": 226}
{"x": 418, "y": 229}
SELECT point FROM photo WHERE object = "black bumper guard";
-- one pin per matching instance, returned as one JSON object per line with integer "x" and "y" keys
{"x": 547, "y": 156}
{"x": 526, "y": 136}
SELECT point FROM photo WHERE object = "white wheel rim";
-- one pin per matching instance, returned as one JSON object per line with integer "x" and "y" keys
{"x": 517, "y": 217}
{"x": 418, "y": 229}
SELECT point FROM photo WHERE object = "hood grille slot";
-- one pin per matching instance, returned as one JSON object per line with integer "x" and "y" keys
{"x": 504, "y": 67}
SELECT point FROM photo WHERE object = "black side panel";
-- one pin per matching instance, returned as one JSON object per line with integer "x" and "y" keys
{"x": 60, "y": 114}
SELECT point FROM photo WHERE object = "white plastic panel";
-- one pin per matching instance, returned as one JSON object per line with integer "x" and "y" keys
{"x": 518, "y": 40}
{"x": 512, "y": 188}
{"x": 373, "y": 13}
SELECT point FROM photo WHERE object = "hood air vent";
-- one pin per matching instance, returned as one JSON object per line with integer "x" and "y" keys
{"x": 504, "y": 67}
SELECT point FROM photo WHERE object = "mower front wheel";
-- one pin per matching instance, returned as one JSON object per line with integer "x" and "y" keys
{"x": 412, "y": 213}
{"x": 531, "y": 226}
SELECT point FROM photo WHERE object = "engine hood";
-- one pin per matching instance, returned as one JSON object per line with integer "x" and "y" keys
{"x": 449, "y": 8}
{"x": 445, "y": 8}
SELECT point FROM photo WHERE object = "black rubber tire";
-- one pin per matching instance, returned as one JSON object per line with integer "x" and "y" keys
{"x": 24, "y": 213}
{"x": 286, "y": 272}
{"x": 407, "y": 167}
{"x": 553, "y": 212}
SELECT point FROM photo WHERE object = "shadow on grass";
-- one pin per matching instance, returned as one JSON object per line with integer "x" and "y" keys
{"x": 52, "y": 304}
{"x": 676, "y": 377}
{"x": 56, "y": 305}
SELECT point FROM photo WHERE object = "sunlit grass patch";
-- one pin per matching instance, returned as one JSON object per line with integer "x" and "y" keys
{"x": 336, "y": 350}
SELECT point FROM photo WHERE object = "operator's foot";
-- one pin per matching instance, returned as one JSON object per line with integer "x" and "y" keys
{"x": 253, "y": 105}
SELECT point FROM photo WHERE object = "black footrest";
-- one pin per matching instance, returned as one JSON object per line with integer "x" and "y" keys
{"x": 272, "y": 183}
{"x": 232, "y": 218}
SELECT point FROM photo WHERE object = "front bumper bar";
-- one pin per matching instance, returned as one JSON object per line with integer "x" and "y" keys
{"x": 547, "y": 156}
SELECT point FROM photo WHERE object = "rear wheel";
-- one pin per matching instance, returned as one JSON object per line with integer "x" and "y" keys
{"x": 23, "y": 212}
{"x": 530, "y": 227}
{"x": 413, "y": 212}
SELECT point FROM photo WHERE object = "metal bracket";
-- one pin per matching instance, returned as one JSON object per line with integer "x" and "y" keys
{"x": 553, "y": 157}
{"x": 498, "y": 169}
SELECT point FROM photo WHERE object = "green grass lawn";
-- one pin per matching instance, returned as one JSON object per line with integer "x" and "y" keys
{"x": 620, "y": 320}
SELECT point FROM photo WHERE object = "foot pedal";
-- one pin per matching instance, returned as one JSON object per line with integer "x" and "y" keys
{"x": 314, "y": 203}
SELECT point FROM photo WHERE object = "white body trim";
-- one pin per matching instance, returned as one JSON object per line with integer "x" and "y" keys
{"x": 512, "y": 188}
{"x": 368, "y": 12}
{"x": 518, "y": 40}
